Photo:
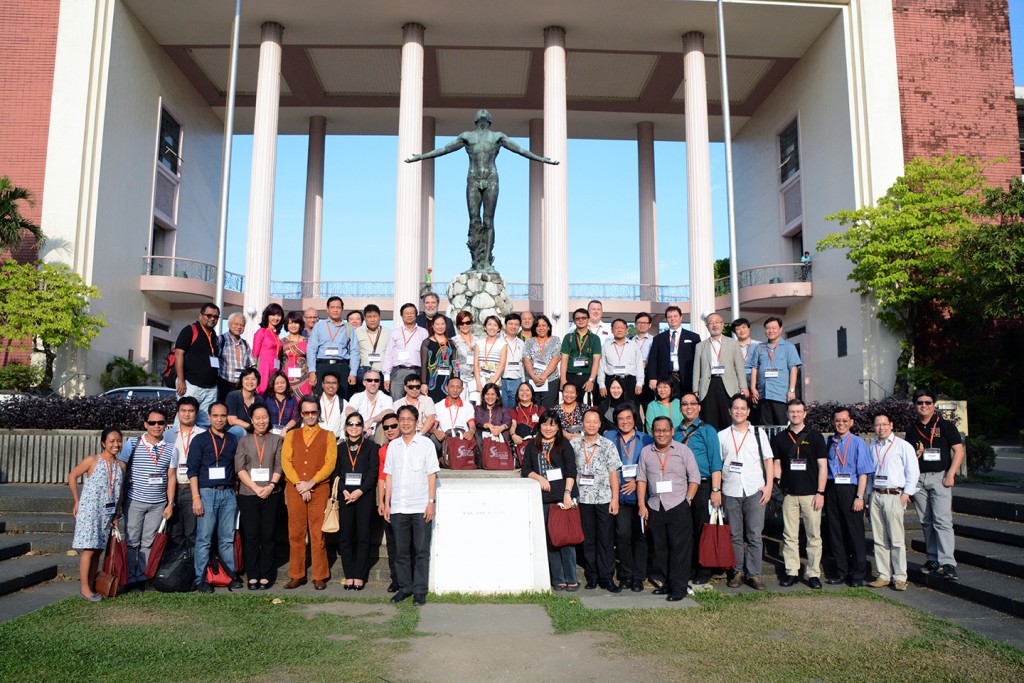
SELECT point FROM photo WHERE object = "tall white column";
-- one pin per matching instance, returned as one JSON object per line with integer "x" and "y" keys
{"x": 313, "y": 224}
{"x": 556, "y": 186}
{"x": 536, "y": 208}
{"x": 427, "y": 195}
{"x": 698, "y": 181}
{"x": 648, "y": 210}
{"x": 409, "y": 211}
{"x": 264, "y": 165}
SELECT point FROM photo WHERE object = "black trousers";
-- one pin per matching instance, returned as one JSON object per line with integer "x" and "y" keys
{"x": 845, "y": 530}
{"x": 389, "y": 540}
{"x": 412, "y": 564}
{"x": 714, "y": 408}
{"x": 578, "y": 380}
{"x": 338, "y": 367}
{"x": 672, "y": 531}
{"x": 549, "y": 398}
{"x": 259, "y": 517}
{"x": 773, "y": 413}
{"x": 225, "y": 387}
{"x": 598, "y": 542}
{"x": 354, "y": 536}
{"x": 182, "y": 528}
{"x": 701, "y": 516}
{"x": 630, "y": 544}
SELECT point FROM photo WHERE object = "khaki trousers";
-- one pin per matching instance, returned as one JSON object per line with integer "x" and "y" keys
{"x": 889, "y": 537}
{"x": 309, "y": 516}
{"x": 797, "y": 509}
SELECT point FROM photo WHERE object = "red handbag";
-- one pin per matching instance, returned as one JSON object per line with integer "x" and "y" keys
{"x": 156, "y": 552}
{"x": 497, "y": 455}
{"x": 239, "y": 557}
{"x": 216, "y": 573}
{"x": 715, "y": 551}
{"x": 564, "y": 526}
{"x": 458, "y": 453}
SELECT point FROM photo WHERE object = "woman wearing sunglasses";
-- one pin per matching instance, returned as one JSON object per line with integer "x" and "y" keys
{"x": 357, "y": 471}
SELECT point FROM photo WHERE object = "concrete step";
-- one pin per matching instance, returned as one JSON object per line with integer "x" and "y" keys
{"x": 1005, "y": 502}
{"x": 42, "y": 498}
{"x": 22, "y": 572}
{"x": 995, "y": 557}
{"x": 54, "y": 544}
{"x": 30, "y": 599}
{"x": 38, "y": 523}
{"x": 986, "y": 529}
{"x": 996, "y": 591}
{"x": 13, "y": 545}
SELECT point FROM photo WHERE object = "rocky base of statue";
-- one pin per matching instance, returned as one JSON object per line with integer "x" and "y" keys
{"x": 480, "y": 293}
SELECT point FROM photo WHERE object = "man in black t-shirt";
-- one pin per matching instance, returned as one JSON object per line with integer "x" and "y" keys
{"x": 196, "y": 361}
{"x": 940, "y": 452}
{"x": 801, "y": 471}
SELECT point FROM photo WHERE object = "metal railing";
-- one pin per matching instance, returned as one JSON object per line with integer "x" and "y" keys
{"x": 767, "y": 275}
{"x": 190, "y": 269}
{"x": 356, "y": 289}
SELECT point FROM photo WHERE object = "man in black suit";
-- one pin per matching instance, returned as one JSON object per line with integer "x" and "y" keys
{"x": 672, "y": 354}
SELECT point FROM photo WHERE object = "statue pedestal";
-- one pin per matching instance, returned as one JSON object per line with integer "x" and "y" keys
{"x": 480, "y": 293}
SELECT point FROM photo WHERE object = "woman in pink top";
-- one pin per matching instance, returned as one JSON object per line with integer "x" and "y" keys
{"x": 296, "y": 369}
{"x": 266, "y": 344}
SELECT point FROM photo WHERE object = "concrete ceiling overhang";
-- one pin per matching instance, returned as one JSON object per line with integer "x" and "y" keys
{"x": 624, "y": 61}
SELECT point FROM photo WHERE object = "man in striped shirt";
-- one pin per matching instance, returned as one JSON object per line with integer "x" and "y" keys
{"x": 150, "y": 493}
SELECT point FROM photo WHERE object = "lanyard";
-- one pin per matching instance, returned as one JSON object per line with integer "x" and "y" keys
{"x": 337, "y": 329}
{"x": 880, "y": 457}
{"x": 663, "y": 461}
{"x": 218, "y": 451}
{"x": 371, "y": 407}
{"x": 260, "y": 450}
{"x": 540, "y": 348}
{"x": 312, "y": 431}
{"x": 209, "y": 339}
{"x": 732, "y": 433}
{"x": 248, "y": 414}
{"x": 643, "y": 340}
{"x": 514, "y": 346}
{"x": 406, "y": 340}
{"x": 791, "y": 438}
{"x": 280, "y": 409}
{"x": 587, "y": 458}
{"x": 570, "y": 417}
{"x": 111, "y": 476}
{"x": 931, "y": 432}
{"x": 238, "y": 352}
{"x": 618, "y": 351}
{"x": 527, "y": 415}
{"x": 186, "y": 439}
{"x": 718, "y": 354}
{"x": 745, "y": 350}
{"x": 771, "y": 353}
{"x": 632, "y": 445}
{"x": 149, "y": 451}
{"x": 581, "y": 342}
{"x": 330, "y": 409}
{"x": 846, "y": 449}
{"x": 452, "y": 415}
{"x": 487, "y": 350}
{"x": 547, "y": 452}
{"x": 375, "y": 339}
{"x": 352, "y": 459}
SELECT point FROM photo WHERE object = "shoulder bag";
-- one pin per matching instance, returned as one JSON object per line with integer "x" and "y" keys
{"x": 331, "y": 522}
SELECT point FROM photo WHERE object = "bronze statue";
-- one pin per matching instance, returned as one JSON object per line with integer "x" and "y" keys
{"x": 482, "y": 145}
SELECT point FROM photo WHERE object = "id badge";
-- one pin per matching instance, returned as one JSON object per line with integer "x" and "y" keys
{"x": 736, "y": 467}
{"x": 218, "y": 473}
{"x": 444, "y": 372}
{"x": 214, "y": 362}
{"x": 513, "y": 364}
{"x": 798, "y": 465}
{"x": 260, "y": 474}
{"x": 771, "y": 373}
{"x": 155, "y": 480}
{"x": 844, "y": 478}
{"x": 554, "y": 474}
{"x": 353, "y": 479}
{"x": 932, "y": 455}
{"x": 629, "y": 471}
{"x": 675, "y": 361}
{"x": 881, "y": 481}
{"x": 182, "y": 474}
{"x": 331, "y": 351}
{"x": 717, "y": 370}
{"x": 403, "y": 356}
{"x": 279, "y": 430}
{"x": 238, "y": 374}
{"x": 663, "y": 486}
{"x": 579, "y": 362}
{"x": 374, "y": 357}
{"x": 618, "y": 369}
{"x": 294, "y": 373}
{"x": 110, "y": 508}
{"x": 538, "y": 387}
{"x": 535, "y": 418}
{"x": 586, "y": 480}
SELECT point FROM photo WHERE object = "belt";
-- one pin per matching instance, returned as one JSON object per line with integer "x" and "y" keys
{"x": 331, "y": 361}
{"x": 891, "y": 492}
{"x": 220, "y": 488}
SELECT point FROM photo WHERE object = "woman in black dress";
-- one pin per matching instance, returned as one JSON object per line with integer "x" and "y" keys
{"x": 357, "y": 469}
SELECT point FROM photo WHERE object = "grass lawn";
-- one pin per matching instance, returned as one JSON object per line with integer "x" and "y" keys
{"x": 846, "y": 635}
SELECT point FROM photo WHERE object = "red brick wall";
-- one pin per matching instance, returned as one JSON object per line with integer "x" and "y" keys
{"x": 28, "y": 33}
{"x": 956, "y": 81}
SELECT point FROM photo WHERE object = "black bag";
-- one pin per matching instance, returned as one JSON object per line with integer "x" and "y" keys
{"x": 177, "y": 572}
{"x": 773, "y": 510}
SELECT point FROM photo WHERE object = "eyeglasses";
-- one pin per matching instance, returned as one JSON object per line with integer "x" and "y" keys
{"x": 924, "y": 403}
{"x": 581, "y": 317}
{"x": 353, "y": 424}
{"x": 370, "y": 380}
{"x": 393, "y": 425}
{"x": 211, "y": 316}
{"x": 690, "y": 403}
{"x": 310, "y": 412}
{"x": 465, "y": 322}
{"x": 154, "y": 423}
{"x": 412, "y": 386}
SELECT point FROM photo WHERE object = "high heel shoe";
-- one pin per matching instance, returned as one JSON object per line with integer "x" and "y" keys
{"x": 359, "y": 587}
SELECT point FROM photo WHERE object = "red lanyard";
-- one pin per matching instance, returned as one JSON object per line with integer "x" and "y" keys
{"x": 487, "y": 350}
{"x": 588, "y": 458}
{"x": 790, "y": 434}
{"x": 352, "y": 459}
{"x": 527, "y": 416}
{"x": 375, "y": 340}
{"x": 732, "y": 433}
{"x": 110, "y": 476}
{"x": 846, "y": 449}
{"x": 452, "y": 415}
{"x": 209, "y": 339}
{"x": 547, "y": 452}
{"x": 663, "y": 461}
{"x": 149, "y": 451}
{"x": 186, "y": 439}
{"x": 882, "y": 456}
{"x": 771, "y": 353}
{"x": 632, "y": 445}
{"x": 618, "y": 352}
{"x": 931, "y": 432}
{"x": 280, "y": 410}
{"x": 718, "y": 354}
{"x": 330, "y": 410}
{"x": 406, "y": 340}
{"x": 570, "y": 417}
{"x": 260, "y": 450}
{"x": 336, "y": 329}
{"x": 581, "y": 342}
{"x": 218, "y": 451}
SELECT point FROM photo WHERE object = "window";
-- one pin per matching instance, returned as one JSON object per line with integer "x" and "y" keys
{"x": 168, "y": 151}
{"x": 789, "y": 153}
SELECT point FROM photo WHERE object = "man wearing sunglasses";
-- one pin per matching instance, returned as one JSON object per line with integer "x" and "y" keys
{"x": 426, "y": 410}
{"x": 940, "y": 452}
{"x": 150, "y": 494}
{"x": 389, "y": 431}
{"x": 196, "y": 362}
{"x": 372, "y": 404}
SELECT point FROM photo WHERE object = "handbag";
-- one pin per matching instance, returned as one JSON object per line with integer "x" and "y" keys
{"x": 156, "y": 552}
{"x": 114, "y": 574}
{"x": 216, "y": 573}
{"x": 564, "y": 526}
{"x": 715, "y": 550}
{"x": 331, "y": 520}
{"x": 773, "y": 510}
{"x": 458, "y": 453}
{"x": 239, "y": 556}
{"x": 497, "y": 455}
{"x": 177, "y": 572}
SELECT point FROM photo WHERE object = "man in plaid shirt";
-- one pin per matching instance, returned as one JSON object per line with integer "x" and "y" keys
{"x": 235, "y": 356}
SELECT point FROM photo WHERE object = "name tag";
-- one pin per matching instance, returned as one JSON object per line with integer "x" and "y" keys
{"x": 579, "y": 362}
{"x": 444, "y": 372}
{"x": 260, "y": 474}
{"x": 717, "y": 369}
{"x": 218, "y": 473}
{"x": 403, "y": 356}
{"x": 663, "y": 487}
{"x": 629, "y": 471}
{"x": 554, "y": 474}
{"x": 110, "y": 508}
{"x": 331, "y": 351}
{"x": 374, "y": 357}
{"x": 182, "y": 474}
{"x": 586, "y": 480}
{"x": 932, "y": 455}
{"x": 675, "y": 361}
{"x": 798, "y": 465}
{"x": 294, "y": 373}
{"x": 155, "y": 480}
{"x": 513, "y": 364}
{"x": 736, "y": 467}
{"x": 881, "y": 481}
{"x": 214, "y": 362}
{"x": 535, "y": 418}
{"x": 771, "y": 373}
{"x": 238, "y": 374}
{"x": 279, "y": 430}
{"x": 619, "y": 369}
{"x": 844, "y": 478}
{"x": 353, "y": 479}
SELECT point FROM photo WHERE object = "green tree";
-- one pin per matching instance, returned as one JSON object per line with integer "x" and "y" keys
{"x": 905, "y": 249}
{"x": 723, "y": 285}
{"x": 44, "y": 306}
{"x": 993, "y": 256}
{"x": 12, "y": 223}
{"x": 121, "y": 372}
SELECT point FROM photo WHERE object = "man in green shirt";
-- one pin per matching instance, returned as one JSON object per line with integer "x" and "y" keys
{"x": 581, "y": 356}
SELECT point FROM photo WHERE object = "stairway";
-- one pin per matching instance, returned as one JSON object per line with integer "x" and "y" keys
{"x": 36, "y": 527}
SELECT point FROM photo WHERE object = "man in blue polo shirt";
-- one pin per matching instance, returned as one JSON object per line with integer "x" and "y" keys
{"x": 707, "y": 451}
{"x": 211, "y": 475}
{"x": 849, "y": 464}
{"x": 630, "y": 540}
{"x": 773, "y": 374}
{"x": 333, "y": 346}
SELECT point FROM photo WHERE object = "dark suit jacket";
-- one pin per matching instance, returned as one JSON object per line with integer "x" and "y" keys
{"x": 659, "y": 363}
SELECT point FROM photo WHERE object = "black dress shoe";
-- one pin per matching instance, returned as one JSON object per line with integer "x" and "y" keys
{"x": 613, "y": 587}
{"x": 393, "y": 587}
{"x": 359, "y": 587}
{"x": 265, "y": 586}
{"x": 235, "y": 583}
{"x": 399, "y": 596}
{"x": 675, "y": 597}
{"x": 836, "y": 580}
{"x": 787, "y": 581}
{"x": 205, "y": 588}
{"x": 638, "y": 586}
{"x": 602, "y": 583}
{"x": 702, "y": 578}
{"x": 815, "y": 583}
{"x": 419, "y": 600}
{"x": 654, "y": 582}
{"x": 660, "y": 590}
{"x": 857, "y": 583}
{"x": 591, "y": 585}
{"x": 254, "y": 586}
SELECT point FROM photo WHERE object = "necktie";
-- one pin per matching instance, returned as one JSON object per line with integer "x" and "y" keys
{"x": 673, "y": 339}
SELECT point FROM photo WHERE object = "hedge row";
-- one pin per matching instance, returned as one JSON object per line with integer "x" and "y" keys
{"x": 83, "y": 412}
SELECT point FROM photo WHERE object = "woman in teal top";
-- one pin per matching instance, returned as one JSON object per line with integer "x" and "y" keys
{"x": 437, "y": 361}
{"x": 664, "y": 405}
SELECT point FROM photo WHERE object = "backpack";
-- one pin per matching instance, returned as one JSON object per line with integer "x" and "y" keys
{"x": 170, "y": 377}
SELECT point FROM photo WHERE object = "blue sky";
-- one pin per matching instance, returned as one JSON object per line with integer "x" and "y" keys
{"x": 359, "y": 201}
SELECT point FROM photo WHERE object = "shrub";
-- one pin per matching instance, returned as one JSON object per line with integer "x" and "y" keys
{"x": 819, "y": 415}
{"x": 19, "y": 377}
{"x": 981, "y": 457}
{"x": 83, "y": 412}
{"x": 990, "y": 416}
{"x": 121, "y": 372}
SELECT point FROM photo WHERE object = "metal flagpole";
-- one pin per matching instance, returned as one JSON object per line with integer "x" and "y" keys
{"x": 734, "y": 289}
{"x": 225, "y": 167}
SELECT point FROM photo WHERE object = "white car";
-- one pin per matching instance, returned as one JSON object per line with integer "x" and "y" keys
{"x": 129, "y": 393}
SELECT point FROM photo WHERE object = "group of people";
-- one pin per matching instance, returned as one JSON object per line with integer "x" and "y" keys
{"x": 646, "y": 475}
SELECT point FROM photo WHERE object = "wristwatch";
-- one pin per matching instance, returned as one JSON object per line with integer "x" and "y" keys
{"x": 860, "y": 497}
{"x": 820, "y": 493}
{"x": 715, "y": 489}
{"x": 431, "y": 501}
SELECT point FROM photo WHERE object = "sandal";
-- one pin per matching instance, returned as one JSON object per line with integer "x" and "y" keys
{"x": 559, "y": 587}
{"x": 572, "y": 587}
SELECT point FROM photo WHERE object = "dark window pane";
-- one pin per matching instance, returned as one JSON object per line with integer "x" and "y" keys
{"x": 789, "y": 153}
{"x": 169, "y": 145}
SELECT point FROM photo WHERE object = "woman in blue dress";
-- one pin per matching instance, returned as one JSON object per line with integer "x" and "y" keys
{"x": 97, "y": 509}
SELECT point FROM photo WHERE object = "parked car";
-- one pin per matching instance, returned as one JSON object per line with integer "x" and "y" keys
{"x": 6, "y": 395}
{"x": 128, "y": 393}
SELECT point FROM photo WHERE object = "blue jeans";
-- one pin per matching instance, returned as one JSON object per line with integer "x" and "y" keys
{"x": 219, "y": 510}
{"x": 509, "y": 387}
{"x": 206, "y": 396}
{"x": 239, "y": 432}
{"x": 561, "y": 561}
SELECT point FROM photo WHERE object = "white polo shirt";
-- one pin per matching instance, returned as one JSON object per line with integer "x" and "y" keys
{"x": 410, "y": 465}
{"x": 368, "y": 408}
{"x": 181, "y": 443}
{"x": 332, "y": 414}
{"x": 741, "y": 471}
{"x": 456, "y": 416}
{"x": 514, "y": 358}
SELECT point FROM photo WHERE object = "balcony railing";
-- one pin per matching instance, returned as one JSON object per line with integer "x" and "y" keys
{"x": 356, "y": 289}
{"x": 767, "y": 275}
{"x": 190, "y": 269}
